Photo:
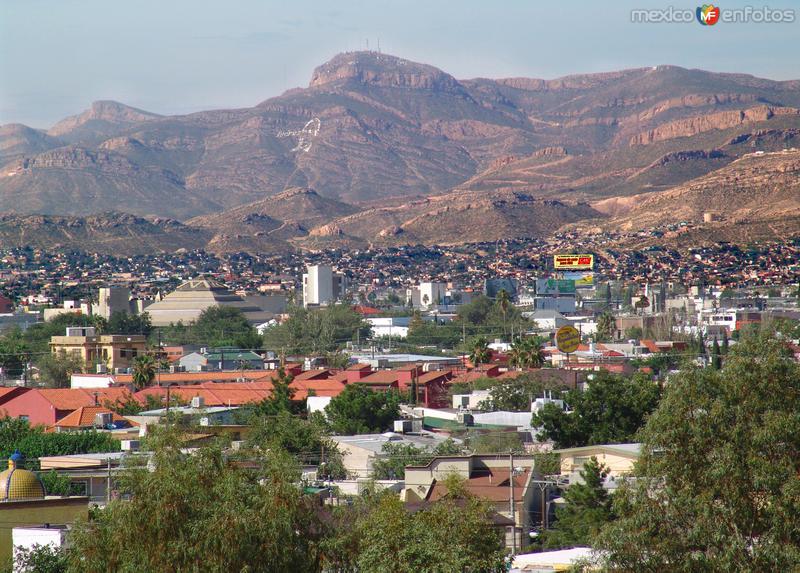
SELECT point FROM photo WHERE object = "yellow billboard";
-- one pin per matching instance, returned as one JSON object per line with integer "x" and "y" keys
{"x": 573, "y": 262}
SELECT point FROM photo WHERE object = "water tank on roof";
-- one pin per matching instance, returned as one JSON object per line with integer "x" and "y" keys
{"x": 198, "y": 402}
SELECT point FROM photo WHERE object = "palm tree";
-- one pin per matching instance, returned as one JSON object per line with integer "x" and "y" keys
{"x": 481, "y": 353}
{"x": 526, "y": 353}
{"x": 504, "y": 302}
{"x": 144, "y": 370}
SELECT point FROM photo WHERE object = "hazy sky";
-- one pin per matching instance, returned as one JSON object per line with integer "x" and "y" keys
{"x": 178, "y": 56}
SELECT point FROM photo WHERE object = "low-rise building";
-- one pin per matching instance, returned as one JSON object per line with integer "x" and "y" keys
{"x": 113, "y": 351}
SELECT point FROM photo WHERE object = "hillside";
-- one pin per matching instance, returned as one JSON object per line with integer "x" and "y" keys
{"x": 113, "y": 233}
{"x": 453, "y": 218}
{"x": 756, "y": 196}
{"x": 371, "y": 127}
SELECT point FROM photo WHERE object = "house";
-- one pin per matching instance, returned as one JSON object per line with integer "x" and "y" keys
{"x": 490, "y": 477}
{"x": 91, "y": 418}
{"x": 45, "y": 406}
{"x": 618, "y": 458}
{"x": 113, "y": 351}
{"x": 547, "y": 319}
{"x": 360, "y": 452}
{"x": 220, "y": 359}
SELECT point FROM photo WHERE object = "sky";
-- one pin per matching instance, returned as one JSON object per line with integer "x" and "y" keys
{"x": 180, "y": 56}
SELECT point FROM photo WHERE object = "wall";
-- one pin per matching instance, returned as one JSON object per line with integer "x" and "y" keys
{"x": 37, "y": 512}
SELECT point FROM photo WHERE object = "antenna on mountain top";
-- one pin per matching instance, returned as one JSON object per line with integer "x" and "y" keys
{"x": 379, "y": 45}
{"x": 368, "y": 44}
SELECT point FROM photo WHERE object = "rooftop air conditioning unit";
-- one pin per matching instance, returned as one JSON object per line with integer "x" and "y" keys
{"x": 103, "y": 419}
{"x": 198, "y": 402}
{"x": 129, "y": 445}
{"x": 465, "y": 417}
{"x": 402, "y": 426}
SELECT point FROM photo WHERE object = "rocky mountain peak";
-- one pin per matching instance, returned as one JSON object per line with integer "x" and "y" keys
{"x": 383, "y": 70}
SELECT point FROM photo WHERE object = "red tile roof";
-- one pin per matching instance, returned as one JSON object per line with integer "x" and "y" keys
{"x": 84, "y": 417}
{"x": 74, "y": 398}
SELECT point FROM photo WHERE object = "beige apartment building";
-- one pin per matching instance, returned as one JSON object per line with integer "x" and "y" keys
{"x": 113, "y": 351}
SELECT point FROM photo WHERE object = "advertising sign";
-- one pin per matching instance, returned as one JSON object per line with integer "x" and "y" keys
{"x": 550, "y": 287}
{"x": 573, "y": 262}
{"x": 568, "y": 339}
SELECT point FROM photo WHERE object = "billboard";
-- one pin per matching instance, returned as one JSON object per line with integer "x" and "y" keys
{"x": 583, "y": 279}
{"x": 547, "y": 287}
{"x": 573, "y": 262}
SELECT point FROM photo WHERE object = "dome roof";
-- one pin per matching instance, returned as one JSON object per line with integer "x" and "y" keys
{"x": 19, "y": 484}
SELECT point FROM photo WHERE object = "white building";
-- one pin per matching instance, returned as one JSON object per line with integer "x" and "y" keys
{"x": 321, "y": 286}
{"x": 390, "y": 326}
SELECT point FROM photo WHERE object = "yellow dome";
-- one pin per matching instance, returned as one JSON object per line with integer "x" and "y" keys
{"x": 18, "y": 484}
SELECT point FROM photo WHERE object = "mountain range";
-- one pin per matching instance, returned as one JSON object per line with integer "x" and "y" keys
{"x": 381, "y": 150}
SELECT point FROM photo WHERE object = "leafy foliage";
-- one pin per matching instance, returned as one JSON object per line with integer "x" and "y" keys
{"x": 586, "y": 510}
{"x": 33, "y": 442}
{"x": 718, "y": 482}
{"x": 516, "y": 394}
{"x": 201, "y": 508}
{"x": 606, "y": 327}
{"x": 454, "y": 534}
{"x": 217, "y": 326}
{"x": 40, "y": 559}
{"x": 611, "y": 410}
{"x": 359, "y": 410}
{"x": 396, "y": 456}
{"x": 316, "y": 331}
{"x": 480, "y": 353}
{"x": 55, "y": 370}
{"x": 121, "y": 322}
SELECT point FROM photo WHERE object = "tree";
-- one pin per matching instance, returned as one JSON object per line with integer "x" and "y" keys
{"x": 586, "y": 510}
{"x": 526, "y": 353}
{"x": 34, "y": 442}
{"x": 201, "y": 509}
{"x": 718, "y": 480}
{"x": 121, "y": 322}
{"x": 40, "y": 559}
{"x": 144, "y": 370}
{"x": 14, "y": 352}
{"x": 481, "y": 353}
{"x": 606, "y": 327}
{"x": 610, "y": 411}
{"x": 56, "y": 370}
{"x": 516, "y": 394}
{"x": 634, "y": 333}
{"x": 359, "y": 410}
{"x": 306, "y": 439}
{"x": 504, "y": 303}
{"x": 394, "y": 458}
{"x": 716, "y": 355}
{"x": 225, "y": 326}
{"x": 281, "y": 399}
{"x": 453, "y": 534}
{"x": 319, "y": 330}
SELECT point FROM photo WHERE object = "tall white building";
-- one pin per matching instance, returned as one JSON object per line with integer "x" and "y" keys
{"x": 321, "y": 286}
{"x": 112, "y": 299}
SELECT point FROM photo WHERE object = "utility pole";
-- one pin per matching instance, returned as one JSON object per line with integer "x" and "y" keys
{"x": 511, "y": 503}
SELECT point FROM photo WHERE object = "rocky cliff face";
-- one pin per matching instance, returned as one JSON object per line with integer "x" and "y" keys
{"x": 383, "y": 70}
{"x": 723, "y": 120}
